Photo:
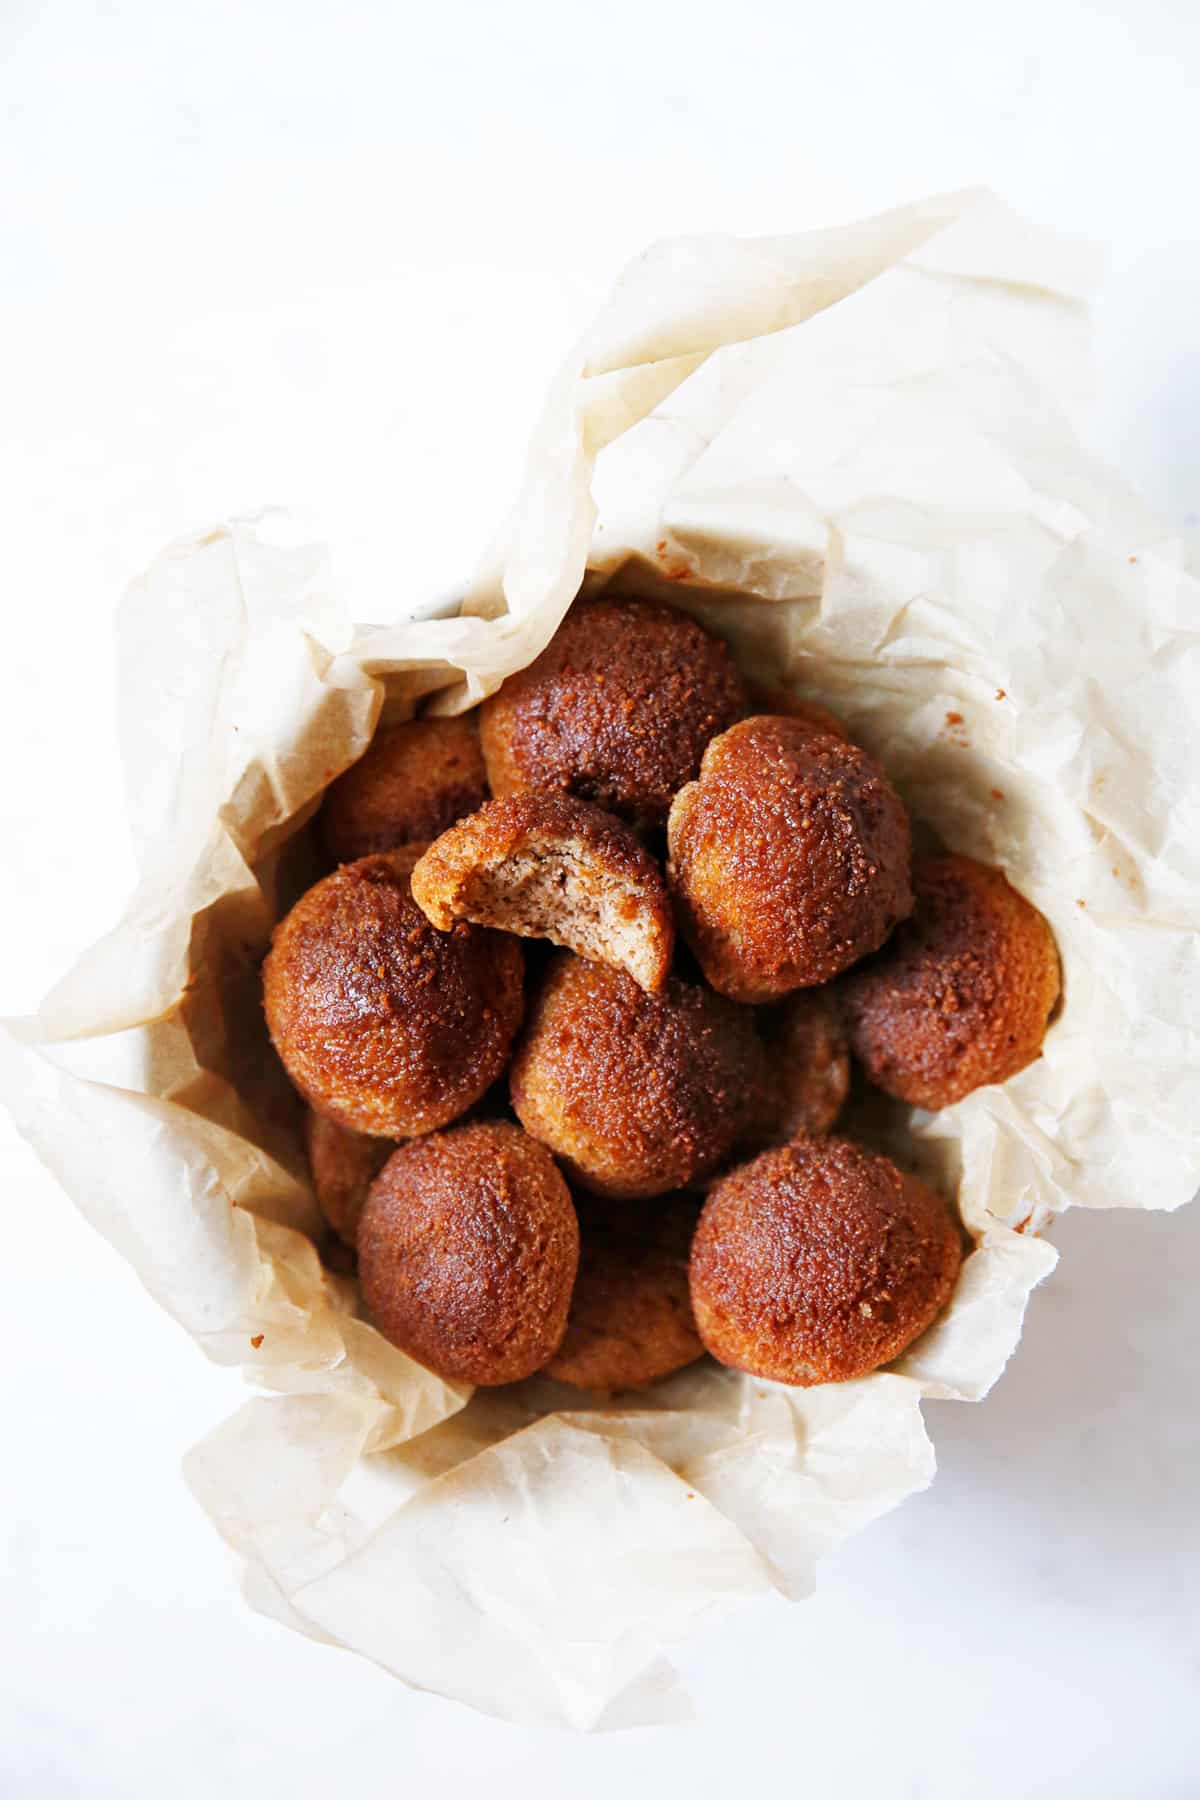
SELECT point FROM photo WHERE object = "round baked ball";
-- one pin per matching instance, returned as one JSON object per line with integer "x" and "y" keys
{"x": 411, "y": 784}
{"x": 808, "y": 1064}
{"x": 467, "y": 1251}
{"x": 548, "y": 865}
{"x": 819, "y": 1262}
{"x": 636, "y": 1093}
{"x": 630, "y": 1322}
{"x": 384, "y": 1024}
{"x": 963, "y": 993}
{"x": 789, "y": 858}
{"x": 343, "y": 1164}
{"x": 617, "y": 709}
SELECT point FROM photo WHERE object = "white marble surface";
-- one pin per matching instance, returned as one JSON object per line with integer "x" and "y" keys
{"x": 325, "y": 256}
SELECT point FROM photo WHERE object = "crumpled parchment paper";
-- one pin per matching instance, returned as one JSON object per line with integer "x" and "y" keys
{"x": 851, "y": 452}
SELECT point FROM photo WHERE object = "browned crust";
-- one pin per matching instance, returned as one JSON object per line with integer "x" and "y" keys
{"x": 820, "y": 1261}
{"x": 962, "y": 995}
{"x": 636, "y": 1093}
{"x": 412, "y": 782}
{"x": 384, "y": 1024}
{"x": 630, "y": 1322}
{"x": 808, "y": 1063}
{"x": 467, "y": 1251}
{"x": 610, "y": 872}
{"x": 765, "y": 697}
{"x": 343, "y": 1164}
{"x": 617, "y": 709}
{"x": 789, "y": 858}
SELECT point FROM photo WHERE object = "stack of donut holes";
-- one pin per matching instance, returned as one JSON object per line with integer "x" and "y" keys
{"x": 575, "y": 1011}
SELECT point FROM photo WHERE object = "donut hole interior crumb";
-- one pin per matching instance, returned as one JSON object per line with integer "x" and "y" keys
{"x": 557, "y": 893}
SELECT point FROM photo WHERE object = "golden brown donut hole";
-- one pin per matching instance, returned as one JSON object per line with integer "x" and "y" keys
{"x": 412, "y": 782}
{"x": 636, "y": 1093}
{"x": 385, "y": 1025}
{"x": 789, "y": 858}
{"x": 617, "y": 709}
{"x": 962, "y": 994}
{"x": 548, "y": 865}
{"x": 820, "y": 1261}
{"x": 630, "y": 1322}
{"x": 467, "y": 1251}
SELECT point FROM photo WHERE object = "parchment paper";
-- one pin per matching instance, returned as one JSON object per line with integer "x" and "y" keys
{"x": 867, "y": 433}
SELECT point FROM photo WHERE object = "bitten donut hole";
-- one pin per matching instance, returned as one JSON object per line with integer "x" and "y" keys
{"x": 560, "y": 895}
{"x": 550, "y": 866}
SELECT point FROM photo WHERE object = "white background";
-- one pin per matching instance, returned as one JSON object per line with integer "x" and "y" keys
{"x": 329, "y": 256}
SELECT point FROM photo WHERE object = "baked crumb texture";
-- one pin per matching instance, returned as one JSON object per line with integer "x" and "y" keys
{"x": 789, "y": 858}
{"x": 635, "y": 1093}
{"x": 546, "y": 865}
{"x": 617, "y": 709}
{"x": 963, "y": 993}
{"x": 386, "y": 1025}
{"x": 820, "y": 1261}
{"x": 412, "y": 783}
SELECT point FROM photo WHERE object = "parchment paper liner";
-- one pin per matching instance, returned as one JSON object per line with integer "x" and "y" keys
{"x": 861, "y": 440}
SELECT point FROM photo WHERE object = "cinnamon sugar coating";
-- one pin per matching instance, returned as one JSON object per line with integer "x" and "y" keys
{"x": 962, "y": 995}
{"x": 789, "y": 858}
{"x": 467, "y": 1252}
{"x": 636, "y": 1093}
{"x": 411, "y": 783}
{"x": 385, "y": 1025}
{"x": 820, "y": 1261}
{"x": 617, "y": 708}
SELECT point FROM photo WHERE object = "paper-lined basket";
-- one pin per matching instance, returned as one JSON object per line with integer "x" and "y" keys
{"x": 852, "y": 453}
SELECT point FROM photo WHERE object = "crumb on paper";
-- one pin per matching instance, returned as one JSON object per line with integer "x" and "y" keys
{"x": 672, "y": 567}
{"x": 255, "y": 1342}
{"x": 1001, "y": 694}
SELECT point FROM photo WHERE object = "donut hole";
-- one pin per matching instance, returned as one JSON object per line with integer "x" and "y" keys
{"x": 558, "y": 894}
{"x": 550, "y": 866}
